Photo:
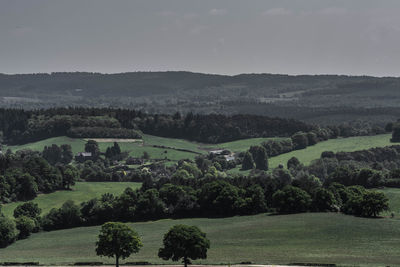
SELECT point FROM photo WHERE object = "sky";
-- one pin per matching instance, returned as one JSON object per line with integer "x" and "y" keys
{"x": 353, "y": 37}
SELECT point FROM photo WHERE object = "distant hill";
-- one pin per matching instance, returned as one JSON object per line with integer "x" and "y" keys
{"x": 314, "y": 98}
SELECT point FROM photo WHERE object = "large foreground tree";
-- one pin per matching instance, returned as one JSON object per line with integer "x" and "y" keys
{"x": 117, "y": 240}
{"x": 184, "y": 242}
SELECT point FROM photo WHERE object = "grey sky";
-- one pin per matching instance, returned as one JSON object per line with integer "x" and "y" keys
{"x": 213, "y": 36}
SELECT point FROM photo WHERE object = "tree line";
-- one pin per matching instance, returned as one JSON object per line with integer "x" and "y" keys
{"x": 211, "y": 195}
{"x": 21, "y": 126}
{"x": 370, "y": 168}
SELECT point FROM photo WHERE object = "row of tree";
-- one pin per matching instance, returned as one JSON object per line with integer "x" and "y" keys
{"x": 184, "y": 242}
{"x": 217, "y": 196}
{"x": 19, "y": 126}
{"x": 257, "y": 156}
{"x": 370, "y": 168}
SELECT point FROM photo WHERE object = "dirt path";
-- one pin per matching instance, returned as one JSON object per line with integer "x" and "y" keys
{"x": 111, "y": 140}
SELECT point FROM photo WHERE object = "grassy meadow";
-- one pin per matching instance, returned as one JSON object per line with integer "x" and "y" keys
{"x": 77, "y": 145}
{"x": 172, "y": 155}
{"x": 81, "y": 191}
{"x": 136, "y": 148}
{"x": 240, "y": 145}
{"x": 336, "y": 145}
{"x": 149, "y": 140}
{"x": 261, "y": 239}
{"x": 394, "y": 201}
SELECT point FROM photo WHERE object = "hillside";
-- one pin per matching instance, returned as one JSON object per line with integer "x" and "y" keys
{"x": 336, "y": 145}
{"x": 175, "y": 149}
{"x": 298, "y": 238}
{"x": 81, "y": 191}
{"x": 311, "y": 153}
{"x": 158, "y": 147}
{"x": 263, "y": 238}
{"x": 307, "y": 97}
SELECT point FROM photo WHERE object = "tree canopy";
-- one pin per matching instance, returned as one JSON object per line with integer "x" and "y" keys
{"x": 184, "y": 242}
{"x": 117, "y": 240}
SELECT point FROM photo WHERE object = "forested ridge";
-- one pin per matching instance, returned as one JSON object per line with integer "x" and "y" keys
{"x": 313, "y": 98}
{"x": 21, "y": 126}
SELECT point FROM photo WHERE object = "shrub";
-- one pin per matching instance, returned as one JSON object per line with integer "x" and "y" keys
{"x": 300, "y": 140}
{"x": 8, "y": 231}
{"x": 25, "y": 225}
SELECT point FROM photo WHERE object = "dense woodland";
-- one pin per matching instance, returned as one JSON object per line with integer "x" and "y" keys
{"x": 22, "y": 126}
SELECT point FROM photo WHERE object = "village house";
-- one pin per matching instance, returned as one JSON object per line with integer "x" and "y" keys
{"x": 83, "y": 156}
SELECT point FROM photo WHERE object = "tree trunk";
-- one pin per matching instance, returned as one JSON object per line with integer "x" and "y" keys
{"x": 185, "y": 261}
{"x": 117, "y": 261}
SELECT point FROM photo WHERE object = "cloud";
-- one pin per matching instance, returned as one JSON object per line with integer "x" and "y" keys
{"x": 217, "y": 12}
{"x": 190, "y": 16}
{"x": 21, "y": 31}
{"x": 198, "y": 29}
{"x": 335, "y": 11}
{"x": 166, "y": 13}
{"x": 278, "y": 11}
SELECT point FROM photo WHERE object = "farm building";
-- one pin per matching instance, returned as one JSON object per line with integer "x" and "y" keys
{"x": 83, "y": 156}
{"x": 220, "y": 152}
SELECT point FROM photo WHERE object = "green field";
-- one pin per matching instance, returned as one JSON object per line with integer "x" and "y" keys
{"x": 240, "y": 145}
{"x": 81, "y": 191}
{"x": 136, "y": 149}
{"x": 172, "y": 142}
{"x": 262, "y": 239}
{"x": 77, "y": 145}
{"x": 394, "y": 201}
{"x": 336, "y": 145}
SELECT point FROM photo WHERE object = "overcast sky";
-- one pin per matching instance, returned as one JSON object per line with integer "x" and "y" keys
{"x": 213, "y": 36}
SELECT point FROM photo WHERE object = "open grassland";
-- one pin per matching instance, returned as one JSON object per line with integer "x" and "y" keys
{"x": 240, "y": 145}
{"x": 81, "y": 191}
{"x": 394, "y": 201}
{"x": 77, "y": 145}
{"x": 136, "y": 148}
{"x": 173, "y": 153}
{"x": 150, "y": 140}
{"x": 297, "y": 238}
{"x": 336, "y": 145}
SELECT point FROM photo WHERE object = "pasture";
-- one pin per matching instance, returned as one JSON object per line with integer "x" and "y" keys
{"x": 133, "y": 147}
{"x": 260, "y": 239}
{"x": 240, "y": 145}
{"x": 336, "y": 145}
{"x": 81, "y": 191}
{"x": 157, "y": 147}
{"x": 77, "y": 145}
{"x": 394, "y": 201}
